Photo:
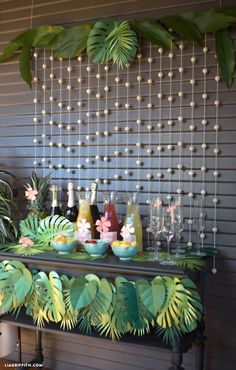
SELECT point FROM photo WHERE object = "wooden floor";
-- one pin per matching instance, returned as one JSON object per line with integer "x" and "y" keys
{"x": 4, "y": 364}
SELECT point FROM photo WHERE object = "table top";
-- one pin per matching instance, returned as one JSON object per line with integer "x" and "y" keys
{"x": 109, "y": 264}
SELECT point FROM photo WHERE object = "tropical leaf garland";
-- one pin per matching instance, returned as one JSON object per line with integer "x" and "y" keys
{"x": 171, "y": 304}
{"x": 110, "y": 39}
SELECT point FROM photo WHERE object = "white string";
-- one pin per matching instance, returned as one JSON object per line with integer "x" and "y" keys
{"x": 44, "y": 112}
{"x": 98, "y": 124}
{"x": 159, "y": 124}
{"x": 138, "y": 162}
{"x": 79, "y": 121}
{"x": 204, "y": 121}
{"x": 117, "y": 126}
{"x": 180, "y": 119}
{"x": 35, "y": 119}
{"x": 88, "y": 116}
{"x": 149, "y": 150}
{"x": 69, "y": 122}
{"x": 170, "y": 122}
{"x": 60, "y": 166}
{"x": 192, "y": 105}
{"x": 51, "y": 112}
{"x": 216, "y": 152}
{"x": 127, "y": 106}
{"x": 105, "y": 158}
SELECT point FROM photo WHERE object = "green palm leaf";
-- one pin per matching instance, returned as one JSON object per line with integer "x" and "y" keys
{"x": 29, "y": 227}
{"x": 50, "y": 226}
{"x": 70, "y": 317}
{"x": 152, "y": 295}
{"x": 122, "y": 43}
{"x": 97, "y": 48}
{"x": 82, "y": 292}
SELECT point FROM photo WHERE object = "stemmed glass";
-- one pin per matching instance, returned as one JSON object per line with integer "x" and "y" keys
{"x": 155, "y": 225}
{"x": 199, "y": 222}
{"x": 168, "y": 231}
{"x": 179, "y": 223}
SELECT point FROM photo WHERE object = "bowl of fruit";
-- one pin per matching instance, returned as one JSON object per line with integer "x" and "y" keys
{"x": 64, "y": 244}
{"x": 96, "y": 247}
{"x": 124, "y": 250}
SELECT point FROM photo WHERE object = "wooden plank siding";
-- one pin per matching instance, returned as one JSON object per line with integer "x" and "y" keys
{"x": 17, "y": 155}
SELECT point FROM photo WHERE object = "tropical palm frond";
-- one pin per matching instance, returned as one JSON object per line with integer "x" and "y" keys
{"x": 50, "y": 226}
{"x": 122, "y": 43}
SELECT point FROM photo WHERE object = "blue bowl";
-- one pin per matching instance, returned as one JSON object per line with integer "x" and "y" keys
{"x": 64, "y": 247}
{"x": 98, "y": 249}
{"x": 124, "y": 253}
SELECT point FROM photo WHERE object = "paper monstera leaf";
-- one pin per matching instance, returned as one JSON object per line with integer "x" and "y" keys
{"x": 51, "y": 226}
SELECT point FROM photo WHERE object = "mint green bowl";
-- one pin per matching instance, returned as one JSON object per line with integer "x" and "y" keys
{"x": 64, "y": 247}
{"x": 96, "y": 250}
{"x": 124, "y": 253}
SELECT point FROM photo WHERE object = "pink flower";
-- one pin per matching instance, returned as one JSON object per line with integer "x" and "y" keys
{"x": 127, "y": 230}
{"x": 31, "y": 193}
{"x": 178, "y": 203}
{"x": 103, "y": 225}
{"x": 158, "y": 203}
{"x": 83, "y": 225}
{"x": 26, "y": 242}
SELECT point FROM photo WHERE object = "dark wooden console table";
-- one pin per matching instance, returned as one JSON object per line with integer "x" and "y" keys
{"x": 110, "y": 267}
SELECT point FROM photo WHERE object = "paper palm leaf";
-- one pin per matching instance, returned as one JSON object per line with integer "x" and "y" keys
{"x": 50, "y": 226}
{"x": 97, "y": 47}
{"x": 29, "y": 227}
{"x": 151, "y": 294}
{"x": 24, "y": 250}
{"x": 82, "y": 292}
{"x": 51, "y": 289}
{"x": 122, "y": 43}
{"x": 70, "y": 317}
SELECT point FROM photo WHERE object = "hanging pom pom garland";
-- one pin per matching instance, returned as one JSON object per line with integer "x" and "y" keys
{"x": 51, "y": 121}
{"x": 106, "y": 132}
{"x": 98, "y": 133}
{"x": 216, "y": 172}
{"x": 117, "y": 106}
{"x": 125, "y": 133}
{"x": 170, "y": 123}
{"x": 35, "y": 118}
{"x": 149, "y": 126}
{"x": 44, "y": 113}
{"x": 159, "y": 123}
{"x": 179, "y": 190}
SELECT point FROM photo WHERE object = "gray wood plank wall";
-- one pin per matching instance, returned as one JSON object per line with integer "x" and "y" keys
{"x": 16, "y": 135}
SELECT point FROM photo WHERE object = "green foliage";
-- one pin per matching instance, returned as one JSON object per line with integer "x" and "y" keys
{"x": 225, "y": 55}
{"x": 98, "y": 48}
{"x": 211, "y": 21}
{"x": 51, "y": 226}
{"x": 153, "y": 32}
{"x": 8, "y": 231}
{"x": 29, "y": 227}
{"x": 71, "y": 42}
{"x": 115, "y": 40}
{"x": 23, "y": 250}
{"x": 172, "y": 304}
{"x": 123, "y": 44}
{"x": 184, "y": 27}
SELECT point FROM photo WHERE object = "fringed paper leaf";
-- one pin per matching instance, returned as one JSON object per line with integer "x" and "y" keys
{"x": 51, "y": 226}
{"x": 29, "y": 227}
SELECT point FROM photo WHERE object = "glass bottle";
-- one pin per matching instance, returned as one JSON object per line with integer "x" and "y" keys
{"x": 133, "y": 220}
{"x": 84, "y": 223}
{"x": 55, "y": 209}
{"x": 110, "y": 200}
{"x": 94, "y": 207}
{"x": 71, "y": 211}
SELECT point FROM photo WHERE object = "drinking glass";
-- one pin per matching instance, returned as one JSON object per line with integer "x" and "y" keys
{"x": 168, "y": 231}
{"x": 179, "y": 226}
{"x": 155, "y": 224}
{"x": 199, "y": 222}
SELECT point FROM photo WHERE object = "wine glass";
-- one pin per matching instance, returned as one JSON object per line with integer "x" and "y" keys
{"x": 199, "y": 222}
{"x": 179, "y": 223}
{"x": 155, "y": 224}
{"x": 168, "y": 231}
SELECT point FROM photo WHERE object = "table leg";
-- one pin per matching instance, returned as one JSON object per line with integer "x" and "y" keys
{"x": 176, "y": 356}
